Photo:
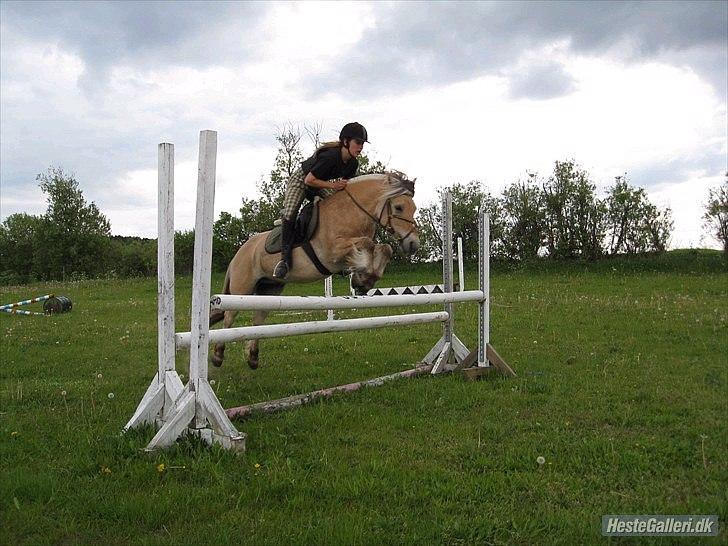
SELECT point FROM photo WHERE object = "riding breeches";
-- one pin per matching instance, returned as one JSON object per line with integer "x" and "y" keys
{"x": 296, "y": 193}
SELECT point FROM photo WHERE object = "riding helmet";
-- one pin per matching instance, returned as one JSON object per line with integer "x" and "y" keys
{"x": 353, "y": 130}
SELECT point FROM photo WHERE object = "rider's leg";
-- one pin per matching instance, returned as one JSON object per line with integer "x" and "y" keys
{"x": 295, "y": 193}
{"x": 286, "y": 263}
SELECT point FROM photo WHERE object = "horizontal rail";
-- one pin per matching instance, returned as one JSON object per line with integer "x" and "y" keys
{"x": 225, "y": 335}
{"x": 226, "y": 302}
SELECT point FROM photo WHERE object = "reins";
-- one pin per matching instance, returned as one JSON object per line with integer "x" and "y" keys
{"x": 388, "y": 226}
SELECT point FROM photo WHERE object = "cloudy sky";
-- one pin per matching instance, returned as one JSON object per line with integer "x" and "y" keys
{"x": 449, "y": 91}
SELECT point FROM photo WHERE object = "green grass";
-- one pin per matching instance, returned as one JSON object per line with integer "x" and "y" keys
{"x": 622, "y": 387}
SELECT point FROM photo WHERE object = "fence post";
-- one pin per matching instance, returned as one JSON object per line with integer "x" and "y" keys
{"x": 202, "y": 268}
{"x": 328, "y": 292}
{"x": 484, "y": 285}
{"x": 447, "y": 282}
{"x": 165, "y": 260}
{"x": 461, "y": 267}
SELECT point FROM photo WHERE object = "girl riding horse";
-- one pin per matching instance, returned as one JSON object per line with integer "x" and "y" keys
{"x": 322, "y": 174}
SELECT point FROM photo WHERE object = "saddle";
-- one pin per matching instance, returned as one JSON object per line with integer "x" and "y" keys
{"x": 306, "y": 225}
{"x": 305, "y": 229}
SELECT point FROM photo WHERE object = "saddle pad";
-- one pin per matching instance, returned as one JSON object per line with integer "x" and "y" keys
{"x": 306, "y": 224}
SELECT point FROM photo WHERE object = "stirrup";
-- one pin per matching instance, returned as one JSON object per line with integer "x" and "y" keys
{"x": 281, "y": 270}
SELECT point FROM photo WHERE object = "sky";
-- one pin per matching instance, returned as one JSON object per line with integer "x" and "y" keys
{"x": 449, "y": 92}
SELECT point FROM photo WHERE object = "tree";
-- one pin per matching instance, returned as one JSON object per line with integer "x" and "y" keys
{"x": 657, "y": 226}
{"x": 573, "y": 215}
{"x": 367, "y": 166}
{"x": 633, "y": 224}
{"x": 76, "y": 236}
{"x": 524, "y": 219}
{"x": 228, "y": 234}
{"x": 19, "y": 235}
{"x": 716, "y": 214}
{"x": 184, "y": 251}
{"x": 467, "y": 200}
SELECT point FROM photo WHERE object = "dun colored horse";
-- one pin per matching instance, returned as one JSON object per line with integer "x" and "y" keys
{"x": 343, "y": 240}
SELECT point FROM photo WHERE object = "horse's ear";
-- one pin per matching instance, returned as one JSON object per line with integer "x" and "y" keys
{"x": 410, "y": 185}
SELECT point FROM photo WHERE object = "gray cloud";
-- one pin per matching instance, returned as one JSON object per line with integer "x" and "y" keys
{"x": 541, "y": 81}
{"x": 711, "y": 163}
{"x": 418, "y": 44}
{"x": 108, "y": 139}
{"x": 142, "y": 34}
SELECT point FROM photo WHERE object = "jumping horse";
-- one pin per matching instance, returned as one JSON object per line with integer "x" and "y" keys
{"x": 343, "y": 241}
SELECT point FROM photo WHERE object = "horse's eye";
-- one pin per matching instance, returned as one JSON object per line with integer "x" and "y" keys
{"x": 398, "y": 208}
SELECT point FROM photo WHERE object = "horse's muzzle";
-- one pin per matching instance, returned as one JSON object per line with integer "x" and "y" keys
{"x": 410, "y": 244}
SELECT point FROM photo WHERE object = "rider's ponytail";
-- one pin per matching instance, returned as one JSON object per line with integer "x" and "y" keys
{"x": 326, "y": 146}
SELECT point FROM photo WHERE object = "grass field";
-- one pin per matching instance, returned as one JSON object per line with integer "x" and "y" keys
{"x": 622, "y": 387}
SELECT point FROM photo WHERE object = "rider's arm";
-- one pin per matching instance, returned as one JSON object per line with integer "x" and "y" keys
{"x": 337, "y": 184}
{"x": 314, "y": 182}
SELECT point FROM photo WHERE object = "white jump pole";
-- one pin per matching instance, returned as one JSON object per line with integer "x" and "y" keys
{"x": 202, "y": 270}
{"x": 461, "y": 270}
{"x": 447, "y": 260}
{"x": 484, "y": 285}
{"x": 157, "y": 403}
{"x": 231, "y": 302}
{"x": 266, "y": 331}
{"x": 329, "y": 292}
{"x": 449, "y": 348}
{"x": 197, "y": 409}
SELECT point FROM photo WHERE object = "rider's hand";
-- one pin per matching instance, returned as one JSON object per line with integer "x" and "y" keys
{"x": 339, "y": 184}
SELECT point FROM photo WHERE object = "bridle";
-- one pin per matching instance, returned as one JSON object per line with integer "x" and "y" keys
{"x": 390, "y": 214}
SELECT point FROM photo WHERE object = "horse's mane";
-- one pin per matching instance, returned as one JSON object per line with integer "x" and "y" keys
{"x": 397, "y": 183}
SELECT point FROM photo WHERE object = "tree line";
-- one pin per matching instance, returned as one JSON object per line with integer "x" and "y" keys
{"x": 557, "y": 217}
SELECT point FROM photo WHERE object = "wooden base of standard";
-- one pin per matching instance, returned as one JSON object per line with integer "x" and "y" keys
{"x": 497, "y": 364}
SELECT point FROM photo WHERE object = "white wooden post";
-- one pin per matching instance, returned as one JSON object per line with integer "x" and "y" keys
{"x": 165, "y": 259}
{"x": 158, "y": 401}
{"x": 202, "y": 268}
{"x": 197, "y": 409}
{"x": 461, "y": 271}
{"x": 484, "y": 285}
{"x": 447, "y": 283}
{"x": 328, "y": 292}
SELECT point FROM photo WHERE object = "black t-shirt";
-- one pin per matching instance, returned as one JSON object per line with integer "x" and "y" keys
{"x": 328, "y": 165}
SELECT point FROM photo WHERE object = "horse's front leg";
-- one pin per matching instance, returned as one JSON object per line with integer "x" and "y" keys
{"x": 251, "y": 347}
{"x": 367, "y": 262}
{"x": 218, "y": 354}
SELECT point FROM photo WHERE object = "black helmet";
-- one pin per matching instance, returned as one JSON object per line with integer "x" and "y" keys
{"x": 353, "y": 130}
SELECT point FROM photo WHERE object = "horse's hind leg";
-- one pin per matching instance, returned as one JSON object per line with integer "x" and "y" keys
{"x": 251, "y": 347}
{"x": 263, "y": 288}
{"x": 218, "y": 354}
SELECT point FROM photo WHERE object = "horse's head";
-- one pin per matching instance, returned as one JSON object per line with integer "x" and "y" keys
{"x": 399, "y": 219}
{"x": 367, "y": 262}
{"x": 398, "y": 210}
{"x": 387, "y": 200}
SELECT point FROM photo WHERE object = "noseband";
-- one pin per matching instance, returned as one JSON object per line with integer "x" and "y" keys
{"x": 390, "y": 214}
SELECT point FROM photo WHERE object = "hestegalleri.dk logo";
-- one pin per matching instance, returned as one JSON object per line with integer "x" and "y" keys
{"x": 653, "y": 525}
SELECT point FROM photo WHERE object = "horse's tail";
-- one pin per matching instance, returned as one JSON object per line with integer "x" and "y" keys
{"x": 217, "y": 315}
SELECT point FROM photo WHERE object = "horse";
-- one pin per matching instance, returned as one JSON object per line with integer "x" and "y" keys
{"x": 347, "y": 223}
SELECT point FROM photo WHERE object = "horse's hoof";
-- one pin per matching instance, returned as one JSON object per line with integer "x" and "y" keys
{"x": 216, "y": 360}
{"x": 253, "y": 358}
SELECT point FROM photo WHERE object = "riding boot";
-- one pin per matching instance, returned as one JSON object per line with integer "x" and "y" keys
{"x": 284, "y": 266}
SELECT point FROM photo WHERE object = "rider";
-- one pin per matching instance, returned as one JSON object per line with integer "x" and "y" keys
{"x": 322, "y": 174}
